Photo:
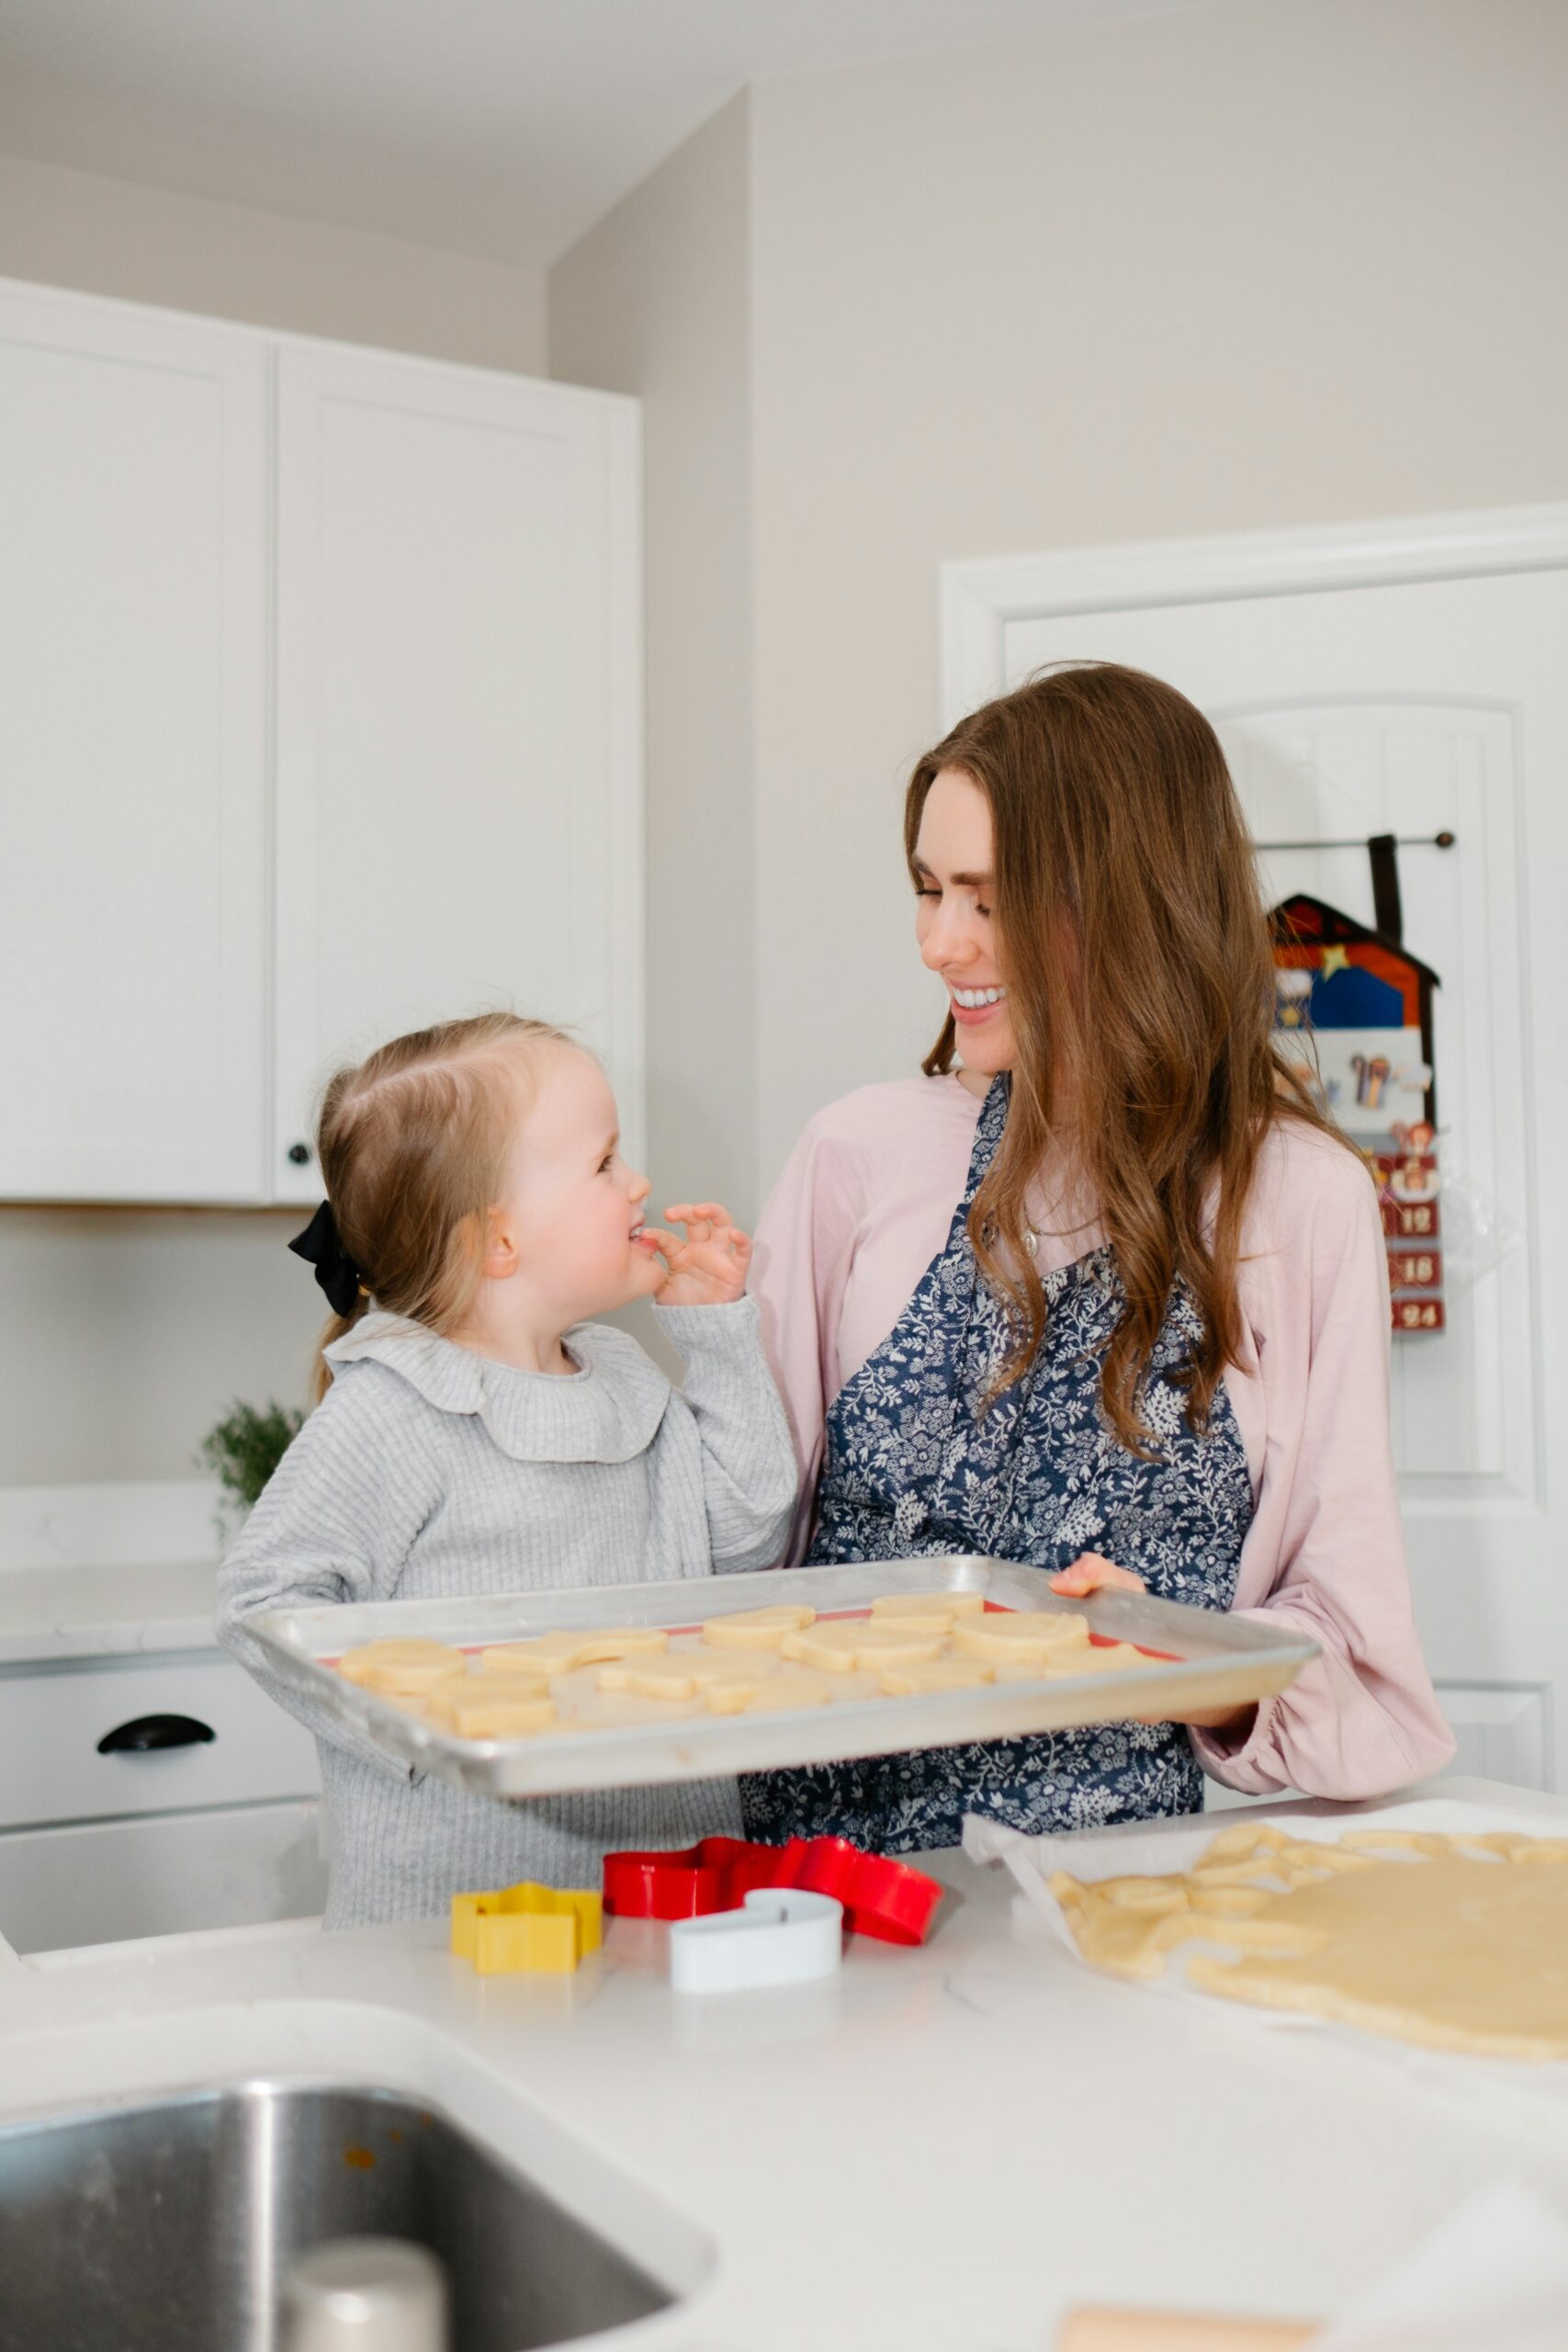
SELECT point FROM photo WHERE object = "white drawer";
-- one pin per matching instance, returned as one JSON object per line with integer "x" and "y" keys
{"x": 105, "y": 1882}
{"x": 52, "y": 1719}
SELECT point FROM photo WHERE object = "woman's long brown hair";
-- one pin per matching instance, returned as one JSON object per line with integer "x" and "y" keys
{"x": 1135, "y": 948}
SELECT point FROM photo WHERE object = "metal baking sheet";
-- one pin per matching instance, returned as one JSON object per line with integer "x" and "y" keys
{"x": 1203, "y": 1659}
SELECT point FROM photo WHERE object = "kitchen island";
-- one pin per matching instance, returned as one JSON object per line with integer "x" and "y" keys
{"x": 942, "y": 2148}
{"x": 146, "y": 1784}
{"x": 106, "y": 1611}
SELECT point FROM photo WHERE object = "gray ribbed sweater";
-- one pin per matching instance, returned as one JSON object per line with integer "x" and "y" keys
{"x": 427, "y": 1470}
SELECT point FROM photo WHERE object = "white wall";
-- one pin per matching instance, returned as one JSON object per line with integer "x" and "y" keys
{"x": 1216, "y": 269}
{"x": 125, "y": 1334}
{"x": 656, "y": 300}
{"x": 148, "y": 245}
{"x": 1209, "y": 271}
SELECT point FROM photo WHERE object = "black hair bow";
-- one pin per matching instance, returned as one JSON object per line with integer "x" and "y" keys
{"x": 319, "y": 1245}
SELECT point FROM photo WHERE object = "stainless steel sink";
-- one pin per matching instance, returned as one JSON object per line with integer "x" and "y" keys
{"x": 169, "y": 2227}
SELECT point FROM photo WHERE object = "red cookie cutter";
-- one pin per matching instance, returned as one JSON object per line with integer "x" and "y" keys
{"x": 715, "y": 1875}
{"x": 881, "y": 1897}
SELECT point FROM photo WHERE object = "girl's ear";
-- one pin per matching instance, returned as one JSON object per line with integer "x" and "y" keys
{"x": 501, "y": 1256}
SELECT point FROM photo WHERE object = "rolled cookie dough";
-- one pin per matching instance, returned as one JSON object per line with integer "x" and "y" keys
{"x": 401, "y": 1667}
{"x": 839, "y": 1647}
{"x": 927, "y": 1613}
{"x": 1068, "y": 1658}
{"x": 1013, "y": 1632}
{"x": 680, "y": 1674}
{"x": 1461, "y": 1943}
{"x": 492, "y": 1706}
{"x": 934, "y": 1674}
{"x": 758, "y": 1628}
{"x": 563, "y": 1652}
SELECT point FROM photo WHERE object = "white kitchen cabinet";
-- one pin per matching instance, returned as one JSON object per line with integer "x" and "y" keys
{"x": 459, "y": 814}
{"x": 133, "y": 733}
{"x": 149, "y": 1794}
{"x": 91, "y": 1740}
{"x": 164, "y": 1874}
{"x": 319, "y": 719}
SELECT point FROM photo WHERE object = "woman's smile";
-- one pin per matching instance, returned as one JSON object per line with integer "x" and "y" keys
{"x": 971, "y": 1006}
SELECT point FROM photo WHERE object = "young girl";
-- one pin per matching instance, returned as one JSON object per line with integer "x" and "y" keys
{"x": 478, "y": 1435}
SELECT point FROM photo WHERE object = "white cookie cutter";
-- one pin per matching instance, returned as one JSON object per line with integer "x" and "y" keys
{"x": 781, "y": 1935}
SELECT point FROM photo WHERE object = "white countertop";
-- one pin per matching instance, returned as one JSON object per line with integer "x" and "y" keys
{"x": 945, "y": 2148}
{"x": 49, "y": 1613}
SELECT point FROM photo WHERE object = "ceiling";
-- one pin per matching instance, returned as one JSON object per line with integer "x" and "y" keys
{"x": 498, "y": 128}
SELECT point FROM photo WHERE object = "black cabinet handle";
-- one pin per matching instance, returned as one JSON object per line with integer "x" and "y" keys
{"x": 300, "y": 1153}
{"x": 146, "y": 1732}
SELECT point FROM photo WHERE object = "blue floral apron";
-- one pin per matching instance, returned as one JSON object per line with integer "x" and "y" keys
{"x": 913, "y": 1465}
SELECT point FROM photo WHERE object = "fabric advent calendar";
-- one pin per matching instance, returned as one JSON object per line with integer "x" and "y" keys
{"x": 1355, "y": 1008}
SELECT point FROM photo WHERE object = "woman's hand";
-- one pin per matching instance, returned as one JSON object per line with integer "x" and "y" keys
{"x": 1092, "y": 1573}
{"x": 708, "y": 1268}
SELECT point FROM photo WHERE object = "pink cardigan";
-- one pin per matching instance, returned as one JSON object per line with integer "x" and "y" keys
{"x": 866, "y": 1204}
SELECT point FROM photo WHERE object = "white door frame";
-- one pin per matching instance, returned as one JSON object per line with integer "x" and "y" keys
{"x": 980, "y": 600}
{"x": 976, "y": 599}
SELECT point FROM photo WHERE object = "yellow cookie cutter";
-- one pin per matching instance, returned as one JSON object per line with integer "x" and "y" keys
{"x": 544, "y": 1929}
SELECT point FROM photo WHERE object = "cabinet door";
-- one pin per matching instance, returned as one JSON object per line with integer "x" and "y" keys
{"x": 458, "y": 789}
{"x": 133, "y": 744}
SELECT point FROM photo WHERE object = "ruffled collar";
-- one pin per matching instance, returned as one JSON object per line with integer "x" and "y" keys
{"x": 608, "y": 1410}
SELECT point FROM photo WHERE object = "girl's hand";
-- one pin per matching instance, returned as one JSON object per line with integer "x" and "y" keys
{"x": 708, "y": 1268}
{"x": 1092, "y": 1573}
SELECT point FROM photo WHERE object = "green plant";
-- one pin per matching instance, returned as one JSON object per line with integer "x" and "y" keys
{"x": 246, "y": 1446}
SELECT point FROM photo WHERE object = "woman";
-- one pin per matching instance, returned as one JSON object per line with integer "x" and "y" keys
{"x": 1107, "y": 1295}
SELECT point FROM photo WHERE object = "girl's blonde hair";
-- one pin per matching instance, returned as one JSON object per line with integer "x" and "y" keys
{"x": 412, "y": 1147}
